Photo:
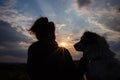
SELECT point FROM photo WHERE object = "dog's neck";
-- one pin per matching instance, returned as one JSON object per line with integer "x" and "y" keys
{"x": 95, "y": 56}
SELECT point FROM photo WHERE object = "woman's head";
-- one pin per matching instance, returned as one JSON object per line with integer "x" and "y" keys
{"x": 43, "y": 29}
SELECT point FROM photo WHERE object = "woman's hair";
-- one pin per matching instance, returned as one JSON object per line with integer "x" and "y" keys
{"x": 43, "y": 29}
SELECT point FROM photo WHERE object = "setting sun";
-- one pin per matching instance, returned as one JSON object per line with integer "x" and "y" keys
{"x": 62, "y": 44}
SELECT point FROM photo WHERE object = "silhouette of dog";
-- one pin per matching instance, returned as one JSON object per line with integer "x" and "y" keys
{"x": 101, "y": 62}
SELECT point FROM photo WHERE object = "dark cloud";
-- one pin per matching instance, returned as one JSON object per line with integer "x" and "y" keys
{"x": 12, "y": 59}
{"x": 115, "y": 46}
{"x": 3, "y": 2}
{"x": 118, "y": 10}
{"x": 113, "y": 40}
{"x": 15, "y": 53}
{"x": 82, "y": 3}
{"x": 8, "y": 33}
{"x": 9, "y": 41}
{"x": 108, "y": 12}
{"x": 110, "y": 21}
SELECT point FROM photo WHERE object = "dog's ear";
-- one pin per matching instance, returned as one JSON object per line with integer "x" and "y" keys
{"x": 89, "y": 38}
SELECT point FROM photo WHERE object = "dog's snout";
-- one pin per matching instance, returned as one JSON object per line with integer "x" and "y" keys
{"x": 77, "y": 46}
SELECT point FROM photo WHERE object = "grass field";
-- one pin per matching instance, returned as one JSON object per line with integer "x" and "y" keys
{"x": 14, "y": 71}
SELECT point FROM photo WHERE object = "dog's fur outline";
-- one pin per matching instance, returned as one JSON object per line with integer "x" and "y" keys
{"x": 102, "y": 64}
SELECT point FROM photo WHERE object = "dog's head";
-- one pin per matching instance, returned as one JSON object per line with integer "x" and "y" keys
{"x": 91, "y": 43}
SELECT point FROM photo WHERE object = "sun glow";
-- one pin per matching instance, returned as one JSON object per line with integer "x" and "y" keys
{"x": 63, "y": 44}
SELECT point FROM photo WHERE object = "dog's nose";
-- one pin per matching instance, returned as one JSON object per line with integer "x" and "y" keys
{"x": 77, "y": 46}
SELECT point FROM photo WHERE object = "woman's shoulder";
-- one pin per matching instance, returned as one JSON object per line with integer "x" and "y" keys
{"x": 33, "y": 45}
{"x": 63, "y": 50}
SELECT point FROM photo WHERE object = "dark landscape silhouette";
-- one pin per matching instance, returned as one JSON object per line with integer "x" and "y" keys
{"x": 16, "y": 71}
{"x": 13, "y": 71}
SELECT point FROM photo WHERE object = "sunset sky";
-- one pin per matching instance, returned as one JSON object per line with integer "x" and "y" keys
{"x": 71, "y": 18}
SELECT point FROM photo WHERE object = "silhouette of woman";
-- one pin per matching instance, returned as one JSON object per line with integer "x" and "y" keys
{"x": 45, "y": 59}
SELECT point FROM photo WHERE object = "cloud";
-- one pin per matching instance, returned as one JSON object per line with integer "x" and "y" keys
{"x": 12, "y": 59}
{"x": 102, "y": 14}
{"x": 83, "y": 3}
{"x": 8, "y": 33}
{"x": 110, "y": 21}
{"x": 116, "y": 47}
{"x": 118, "y": 10}
{"x": 12, "y": 42}
{"x": 17, "y": 20}
{"x": 5, "y": 4}
{"x": 24, "y": 45}
{"x": 15, "y": 38}
{"x": 102, "y": 17}
{"x": 59, "y": 26}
